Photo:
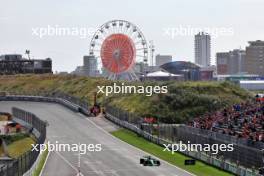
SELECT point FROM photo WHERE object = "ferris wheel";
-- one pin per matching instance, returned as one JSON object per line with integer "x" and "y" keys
{"x": 118, "y": 45}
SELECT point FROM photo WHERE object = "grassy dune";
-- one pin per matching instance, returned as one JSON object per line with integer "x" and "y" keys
{"x": 184, "y": 100}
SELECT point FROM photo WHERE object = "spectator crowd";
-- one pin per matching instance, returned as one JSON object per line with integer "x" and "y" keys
{"x": 245, "y": 120}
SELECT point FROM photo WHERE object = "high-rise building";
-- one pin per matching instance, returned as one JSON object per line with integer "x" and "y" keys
{"x": 232, "y": 62}
{"x": 237, "y": 61}
{"x": 163, "y": 59}
{"x": 90, "y": 66}
{"x": 255, "y": 57}
{"x": 202, "y": 49}
{"x": 222, "y": 63}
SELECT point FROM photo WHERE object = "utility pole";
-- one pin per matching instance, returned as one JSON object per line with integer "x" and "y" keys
{"x": 152, "y": 50}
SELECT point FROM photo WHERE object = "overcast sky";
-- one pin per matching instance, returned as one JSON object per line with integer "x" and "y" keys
{"x": 19, "y": 19}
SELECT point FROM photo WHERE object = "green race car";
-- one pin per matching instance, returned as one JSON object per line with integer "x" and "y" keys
{"x": 149, "y": 161}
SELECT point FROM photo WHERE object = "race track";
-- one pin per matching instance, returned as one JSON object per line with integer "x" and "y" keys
{"x": 116, "y": 158}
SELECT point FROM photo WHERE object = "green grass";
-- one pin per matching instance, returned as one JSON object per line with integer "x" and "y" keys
{"x": 14, "y": 137}
{"x": 41, "y": 163}
{"x": 17, "y": 148}
{"x": 177, "y": 159}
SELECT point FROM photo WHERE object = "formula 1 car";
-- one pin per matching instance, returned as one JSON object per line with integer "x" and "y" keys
{"x": 149, "y": 161}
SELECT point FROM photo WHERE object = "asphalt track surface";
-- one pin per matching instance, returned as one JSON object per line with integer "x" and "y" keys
{"x": 66, "y": 127}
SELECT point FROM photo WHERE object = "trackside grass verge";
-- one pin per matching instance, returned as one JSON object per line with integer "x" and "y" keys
{"x": 40, "y": 165}
{"x": 177, "y": 159}
{"x": 19, "y": 147}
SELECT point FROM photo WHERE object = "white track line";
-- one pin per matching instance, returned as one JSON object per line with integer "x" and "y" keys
{"x": 68, "y": 162}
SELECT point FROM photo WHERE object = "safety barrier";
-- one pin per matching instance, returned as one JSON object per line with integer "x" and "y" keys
{"x": 82, "y": 108}
{"x": 21, "y": 165}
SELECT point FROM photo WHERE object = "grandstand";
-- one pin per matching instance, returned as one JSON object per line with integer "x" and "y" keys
{"x": 245, "y": 120}
{"x": 243, "y": 125}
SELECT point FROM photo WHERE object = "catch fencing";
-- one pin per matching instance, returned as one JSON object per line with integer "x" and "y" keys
{"x": 23, "y": 163}
{"x": 161, "y": 134}
{"x": 68, "y": 101}
{"x": 54, "y": 94}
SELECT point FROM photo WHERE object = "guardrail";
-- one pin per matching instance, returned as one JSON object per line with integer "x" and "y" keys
{"x": 22, "y": 164}
{"x": 82, "y": 108}
{"x": 54, "y": 94}
{"x": 119, "y": 119}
